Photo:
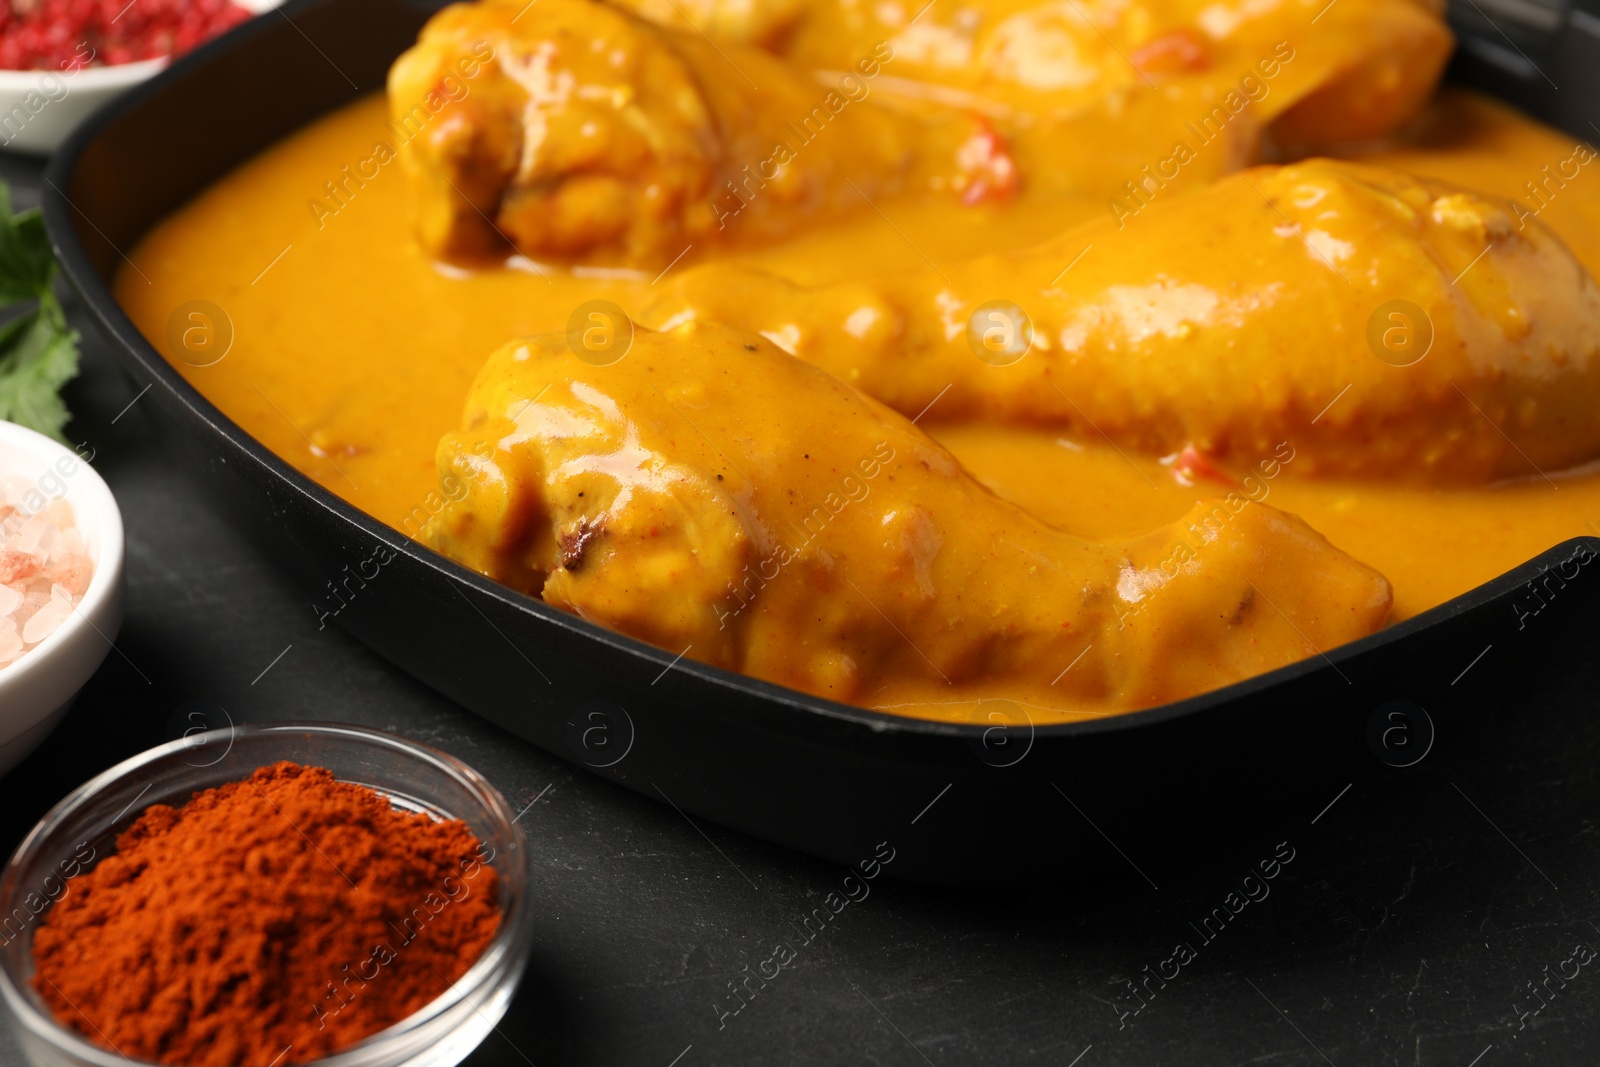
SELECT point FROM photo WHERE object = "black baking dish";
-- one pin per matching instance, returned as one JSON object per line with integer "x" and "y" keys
{"x": 963, "y": 804}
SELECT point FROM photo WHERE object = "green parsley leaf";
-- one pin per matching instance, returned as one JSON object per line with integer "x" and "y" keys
{"x": 38, "y": 350}
{"x": 40, "y": 355}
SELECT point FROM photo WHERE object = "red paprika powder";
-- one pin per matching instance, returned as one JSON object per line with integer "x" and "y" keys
{"x": 273, "y": 920}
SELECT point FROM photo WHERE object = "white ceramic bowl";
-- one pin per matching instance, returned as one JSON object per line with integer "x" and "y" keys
{"x": 37, "y": 688}
{"x": 38, "y": 108}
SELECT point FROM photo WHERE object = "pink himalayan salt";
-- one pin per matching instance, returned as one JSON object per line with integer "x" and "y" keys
{"x": 46, "y": 620}
{"x": 44, "y": 571}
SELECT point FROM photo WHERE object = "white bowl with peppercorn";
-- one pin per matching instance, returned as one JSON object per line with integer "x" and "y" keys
{"x": 61, "y": 59}
{"x": 61, "y": 583}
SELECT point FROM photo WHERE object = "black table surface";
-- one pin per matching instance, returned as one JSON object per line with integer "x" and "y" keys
{"x": 1435, "y": 915}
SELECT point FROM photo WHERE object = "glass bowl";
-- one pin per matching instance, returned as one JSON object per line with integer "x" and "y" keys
{"x": 413, "y": 776}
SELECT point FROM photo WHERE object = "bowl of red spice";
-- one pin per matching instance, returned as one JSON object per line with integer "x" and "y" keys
{"x": 61, "y": 59}
{"x": 266, "y": 895}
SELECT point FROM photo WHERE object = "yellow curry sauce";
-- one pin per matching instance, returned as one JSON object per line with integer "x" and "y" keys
{"x": 352, "y": 350}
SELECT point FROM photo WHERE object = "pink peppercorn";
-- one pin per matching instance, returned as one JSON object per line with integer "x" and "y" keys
{"x": 68, "y": 34}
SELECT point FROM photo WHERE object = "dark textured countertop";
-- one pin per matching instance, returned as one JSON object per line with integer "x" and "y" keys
{"x": 1415, "y": 914}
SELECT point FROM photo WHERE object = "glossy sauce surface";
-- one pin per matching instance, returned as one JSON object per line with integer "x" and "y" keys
{"x": 335, "y": 366}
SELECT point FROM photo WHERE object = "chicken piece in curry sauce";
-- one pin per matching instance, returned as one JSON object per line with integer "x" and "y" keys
{"x": 709, "y": 492}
